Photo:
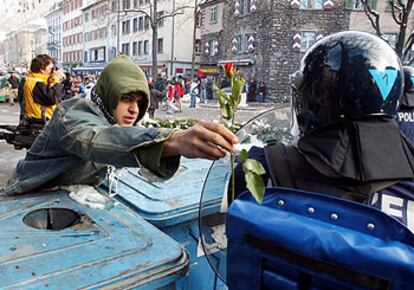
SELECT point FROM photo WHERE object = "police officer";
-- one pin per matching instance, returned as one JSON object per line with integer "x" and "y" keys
{"x": 345, "y": 97}
{"x": 405, "y": 114}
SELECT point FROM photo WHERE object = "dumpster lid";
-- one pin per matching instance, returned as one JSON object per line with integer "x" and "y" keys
{"x": 165, "y": 202}
{"x": 79, "y": 247}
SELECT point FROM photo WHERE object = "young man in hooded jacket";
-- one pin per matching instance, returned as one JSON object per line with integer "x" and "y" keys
{"x": 84, "y": 136}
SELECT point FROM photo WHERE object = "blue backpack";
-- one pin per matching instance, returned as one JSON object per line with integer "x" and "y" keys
{"x": 302, "y": 240}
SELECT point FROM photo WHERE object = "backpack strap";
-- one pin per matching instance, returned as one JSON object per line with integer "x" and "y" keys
{"x": 277, "y": 158}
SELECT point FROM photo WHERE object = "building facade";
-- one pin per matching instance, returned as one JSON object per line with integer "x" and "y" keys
{"x": 174, "y": 44}
{"x": 72, "y": 33}
{"x": 266, "y": 39}
{"x": 54, "y": 32}
{"x": 212, "y": 28}
{"x": 389, "y": 28}
{"x": 22, "y": 45}
{"x": 99, "y": 41}
{"x": 39, "y": 41}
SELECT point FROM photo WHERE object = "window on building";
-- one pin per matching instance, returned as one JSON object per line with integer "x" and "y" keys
{"x": 101, "y": 33}
{"x": 239, "y": 45}
{"x": 197, "y": 46}
{"x": 357, "y": 4}
{"x": 113, "y": 6}
{"x": 134, "y": 48}
{"x": 125, "y": 48}
{"x": 126, "y": 4}
{"x": 245, "y": 6}
{"x": 213, "y": 14}
{"x": 141, "y": 23}
{"x": 97, "y": 54}
{"x": 86, "y": 17}
{"x": 391, "y": 38}
{"x": 135, "y": 3}
{"x": 113, "y": 30}
{"x": 160, "y": 45}
{"x": 160, "y": 21}
{"x": 311, "y": 4}
{"x": 211, "y": 47}
{"x": 308, "y": 38}
{"x": 199, "y": 18}
{"x": 146, "y": 46}
{"x": 246, "y": 42}
{"x": 125, "y": 27}
{"x": 135, "y": 25}
{"x": 146, "y": 22}
{"x": 139, "y": 47}
{"x": 141, "y": 2}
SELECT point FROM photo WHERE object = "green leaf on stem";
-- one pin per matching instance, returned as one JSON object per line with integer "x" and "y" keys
{"x": 254, "y": 166}
{"x": 226, "y": 112}
{"x": 255, "y": 184}
{"x": 223, "y": 97}
{"x": 243, "y": 156}
{"x": 236, "y": 90}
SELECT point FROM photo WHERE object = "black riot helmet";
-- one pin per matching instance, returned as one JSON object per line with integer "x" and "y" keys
{"x": 344, "y": 76}
{"x": 407, "y": 99}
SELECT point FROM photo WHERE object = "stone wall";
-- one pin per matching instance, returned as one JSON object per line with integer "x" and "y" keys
{"x": 286, "y": 23}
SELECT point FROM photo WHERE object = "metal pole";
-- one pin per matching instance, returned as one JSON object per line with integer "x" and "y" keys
{"x": 172, "y": 42}
{"x": 117, "y": 27}
{"x": 194, "y": 37}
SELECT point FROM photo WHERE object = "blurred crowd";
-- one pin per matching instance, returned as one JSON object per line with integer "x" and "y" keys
{"x": 167, "y": 94}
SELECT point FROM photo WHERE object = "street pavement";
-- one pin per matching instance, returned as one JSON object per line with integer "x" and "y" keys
{"x": 209, "y": 111}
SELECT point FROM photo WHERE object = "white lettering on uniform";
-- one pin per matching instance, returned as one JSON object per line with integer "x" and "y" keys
{"x": 410, "y": 215}
{"x": 388, "y": 201}
{"x": 406, "y": 117}
{"x": 374, "y": 198}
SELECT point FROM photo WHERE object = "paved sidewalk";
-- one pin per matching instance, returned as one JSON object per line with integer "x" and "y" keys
{"x": 252, "y": 106}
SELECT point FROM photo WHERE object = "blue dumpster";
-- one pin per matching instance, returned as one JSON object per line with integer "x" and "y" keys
{"x": 172, "y": 206}
{"x": 50, "y": 241}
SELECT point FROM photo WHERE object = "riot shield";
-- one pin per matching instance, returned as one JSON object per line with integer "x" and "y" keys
{"x": 273, "y": 125}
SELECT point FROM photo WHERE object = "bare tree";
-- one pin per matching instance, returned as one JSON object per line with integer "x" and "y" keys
{"x": 400, "y": 11}
{"x": 197, "y": 12}
{"x": 155, "y": 19}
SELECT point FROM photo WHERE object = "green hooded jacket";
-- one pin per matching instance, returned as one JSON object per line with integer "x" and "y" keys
{"x": 121, "y": 76}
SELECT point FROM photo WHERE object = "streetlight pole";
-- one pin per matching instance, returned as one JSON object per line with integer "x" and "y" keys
{"x": 172, "y": 42}
{"x": 194, "y": 36}
{"x": 118, "y": 20}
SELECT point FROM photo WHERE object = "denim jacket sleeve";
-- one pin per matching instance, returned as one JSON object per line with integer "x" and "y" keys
{"x": 85, "y": 132}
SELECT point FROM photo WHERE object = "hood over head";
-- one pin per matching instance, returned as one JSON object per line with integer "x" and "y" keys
{"x": 122, "y": 76}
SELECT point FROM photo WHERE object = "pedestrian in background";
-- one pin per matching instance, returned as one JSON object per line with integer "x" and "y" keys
{"x": 14, "y": 83}
{"x": 203, "y": 90}
{"x": 155, "y": 98}
{"x": 194, "y": 91}
{"x": 179, "y": 93}
{"x": 170, "y": 97}
{"x": 262, "y": 92}
{"x": 42, "y": 89}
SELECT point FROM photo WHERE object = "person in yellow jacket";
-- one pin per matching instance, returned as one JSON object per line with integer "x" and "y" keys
{"x": 42, "y": 90}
